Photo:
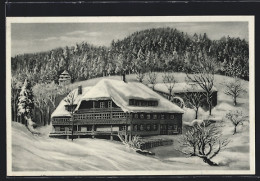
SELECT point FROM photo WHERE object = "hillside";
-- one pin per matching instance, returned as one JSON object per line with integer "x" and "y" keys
{"x": 41, "y": 153}
{"x": 148, "y": 50}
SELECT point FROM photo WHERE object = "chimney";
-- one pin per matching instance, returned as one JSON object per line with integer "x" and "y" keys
{"x": 80, "y": 90}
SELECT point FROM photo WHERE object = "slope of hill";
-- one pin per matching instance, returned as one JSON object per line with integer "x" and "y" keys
{"x": 157, "y": 49}
{"x": 41, "y": 153}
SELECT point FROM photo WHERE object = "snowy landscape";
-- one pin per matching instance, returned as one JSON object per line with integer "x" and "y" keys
{"x": 139, "y": 97}
{"x": 47, "y": 154}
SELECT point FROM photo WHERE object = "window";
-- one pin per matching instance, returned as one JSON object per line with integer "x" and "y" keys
{"x": 119, "y": 115}
{"x": 136, "y": 116}
{"x": 155, "y": 116}
{"x": 144, "y": 103}
{"x": 134, "y": 102}
{"x": 148, "y": 127}
{"x": 162, "y": 116}
{"x": 102, "y": 104}
{"x": 148, "y": 116}
{"x": 102, "y": 116}
{"x": 170, "y": 127}
{"x": 142, "y": 116}
{"x": 172, "y": 116}
{"x": 150, "y": 103}
{"x": 57, "y": 128}
{"x": 135, "y": 127}
{"x": 139, "y": 103}
{"x": 175, "y": 127}
{"x": 155, "y": 127}
{"x": 141, "y": 127}
{"x": 109, "y": 104}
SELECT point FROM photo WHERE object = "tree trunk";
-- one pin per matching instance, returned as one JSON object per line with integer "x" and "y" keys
{"x": 40, "y": 117}
{"x": 235, "y": 100}
{"x": 72, "y": 130}
{"x": 44, "y": 119}
{"x": 235, "y": 130}
{"x": 210, "y": 109}
{"x": 197, "y": 110}
{"x": 48, "y": 114}
{"x": 208, "y": 161}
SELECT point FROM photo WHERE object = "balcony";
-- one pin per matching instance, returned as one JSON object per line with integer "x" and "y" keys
{"x": 95, "y": 110}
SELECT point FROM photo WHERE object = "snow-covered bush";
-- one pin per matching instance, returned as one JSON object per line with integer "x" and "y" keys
{"x": 135, "y": 142}
{"x": 237, "y": 118}
{"x": 204, "y": 142}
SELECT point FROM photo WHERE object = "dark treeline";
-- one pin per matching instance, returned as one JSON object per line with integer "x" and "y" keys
{"x": 162, "y": 49}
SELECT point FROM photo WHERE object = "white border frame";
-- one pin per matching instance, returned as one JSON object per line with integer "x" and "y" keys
{"x": 126, "y": 19}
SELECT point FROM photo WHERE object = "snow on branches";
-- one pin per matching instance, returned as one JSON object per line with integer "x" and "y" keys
{"x": 204, "y": 142}
{"x": 26, "y": 103}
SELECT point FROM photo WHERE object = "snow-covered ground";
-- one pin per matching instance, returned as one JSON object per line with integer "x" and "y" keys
{"x": 41, "y": 153}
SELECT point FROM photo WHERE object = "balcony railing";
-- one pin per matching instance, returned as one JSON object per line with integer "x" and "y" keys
{"x": 87, "y": 132}
{"x": 93, "y": 110}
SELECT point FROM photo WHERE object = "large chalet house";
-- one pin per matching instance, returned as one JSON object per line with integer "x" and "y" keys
{"x": 114, "y": 107}
{"x": 180, "y": 89}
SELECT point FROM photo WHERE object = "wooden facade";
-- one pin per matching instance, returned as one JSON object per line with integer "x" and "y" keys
{"x": 104, "y": 117}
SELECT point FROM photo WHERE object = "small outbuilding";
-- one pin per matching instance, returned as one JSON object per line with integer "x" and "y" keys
{"x": 180, "y": 89}
{"x": 64, "y": 78}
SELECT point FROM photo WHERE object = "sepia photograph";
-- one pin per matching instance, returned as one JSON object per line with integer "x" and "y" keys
{"x": 168, "y": 95}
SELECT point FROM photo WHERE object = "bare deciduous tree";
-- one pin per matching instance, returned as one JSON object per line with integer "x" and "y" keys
{"x": 41, "y": 100}
{"x": 237, "y": 118}
{"x": 204, "y": 142}
{"x": 169, "y": 81}
{"x": 194, "y": 100}
{"x": 70, "y": 100}
{"x": 204, "y": 77}
{"x": 151, "y": 78}
{"x": 234, "y": 88}
{"x": 140, "y": 75}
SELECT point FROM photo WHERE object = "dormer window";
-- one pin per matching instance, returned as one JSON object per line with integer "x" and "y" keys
{"x": 143, "y": 103}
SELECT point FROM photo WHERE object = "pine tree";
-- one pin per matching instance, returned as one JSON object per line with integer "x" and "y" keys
{"x": 25, "y": 103}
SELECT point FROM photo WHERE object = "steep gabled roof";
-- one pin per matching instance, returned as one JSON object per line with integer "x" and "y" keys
{"x": 65, "y": 72}
{"x": 61, "y": 111}
{"x": 120, "y": 92}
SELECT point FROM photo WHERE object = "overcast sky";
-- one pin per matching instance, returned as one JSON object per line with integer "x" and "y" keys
{"x": 36, "y": 37}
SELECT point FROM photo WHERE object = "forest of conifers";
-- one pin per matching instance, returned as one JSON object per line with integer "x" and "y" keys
{"x": 162, "y": 49}
{"x": 156, "y": 50}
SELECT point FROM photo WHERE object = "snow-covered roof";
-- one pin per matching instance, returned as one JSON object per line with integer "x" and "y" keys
{"x": 61, "y": 111}
{"x": 65, "y": 72}
{"x": 120, "y": 92}
{"x": 179, "y": 87}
